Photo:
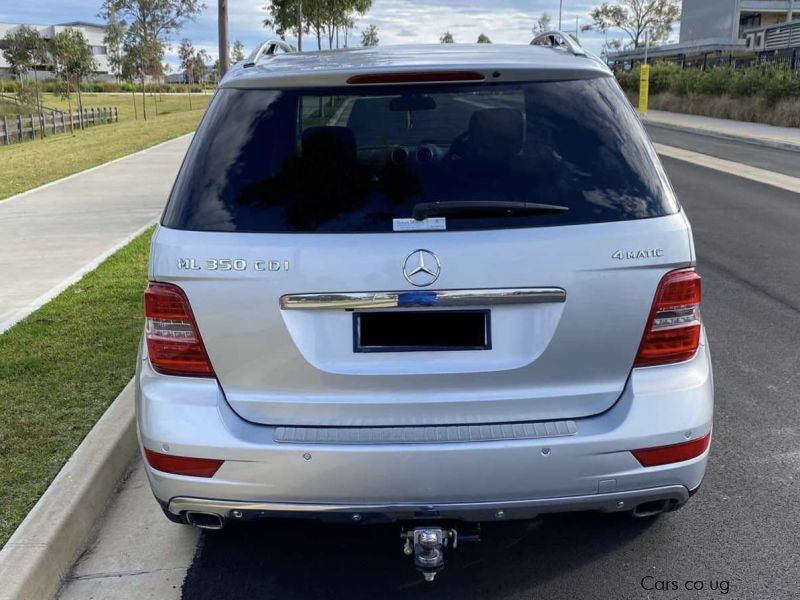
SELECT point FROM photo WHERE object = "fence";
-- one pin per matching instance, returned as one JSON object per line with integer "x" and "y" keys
{"x": 27, "y": 127}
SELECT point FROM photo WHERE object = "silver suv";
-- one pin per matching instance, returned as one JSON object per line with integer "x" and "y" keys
{"x": 435, "y": 285}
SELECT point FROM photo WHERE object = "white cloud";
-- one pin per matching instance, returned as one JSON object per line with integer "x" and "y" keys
{"x": 398, "y": 21}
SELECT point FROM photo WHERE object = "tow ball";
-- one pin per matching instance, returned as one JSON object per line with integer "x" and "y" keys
{"x": 427, "y": 545}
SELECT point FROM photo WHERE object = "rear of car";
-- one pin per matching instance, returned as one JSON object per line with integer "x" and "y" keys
{"x": 422, "y": 284}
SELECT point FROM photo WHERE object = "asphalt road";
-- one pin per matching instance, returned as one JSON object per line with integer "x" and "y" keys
{"x": 739, "y": 535}
{"x": 756, "y": 155}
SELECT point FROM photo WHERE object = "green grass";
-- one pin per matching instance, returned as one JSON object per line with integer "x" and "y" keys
{"x": 32, "y": 163}
{"x": 129, "y": 106}
{"x": 60, "y": 369}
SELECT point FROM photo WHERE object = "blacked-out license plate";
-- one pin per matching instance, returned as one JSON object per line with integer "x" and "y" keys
{"x": 421, "y": 330}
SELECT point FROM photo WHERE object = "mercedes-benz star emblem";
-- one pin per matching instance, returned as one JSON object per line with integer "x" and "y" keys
{"x": 421, "y": 268}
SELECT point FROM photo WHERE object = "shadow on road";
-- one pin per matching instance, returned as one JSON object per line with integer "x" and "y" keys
{"x": 309, "y": 560}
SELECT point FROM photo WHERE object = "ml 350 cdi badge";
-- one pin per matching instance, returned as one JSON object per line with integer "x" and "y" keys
{"x": 435, "y": 286}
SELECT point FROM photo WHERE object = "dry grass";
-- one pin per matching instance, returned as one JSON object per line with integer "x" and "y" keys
{"x": 784, "y": 113}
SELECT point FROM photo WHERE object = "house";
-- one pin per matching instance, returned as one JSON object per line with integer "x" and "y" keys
{"x": 715, "y": 29}
{"x": 93, "y": 32}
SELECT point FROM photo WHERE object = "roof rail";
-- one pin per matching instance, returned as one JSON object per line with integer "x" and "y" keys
{"x": 268, "y": 48}
{"x": 558, "y": 39}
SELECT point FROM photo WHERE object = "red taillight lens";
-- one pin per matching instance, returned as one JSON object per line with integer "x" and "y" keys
{"x": 664, "y": 455}
{"x": 415, "y": 77}
{"x": 173, "y": 340}
{"x": 673, "y": 329}
{"x": 182, "y": 465}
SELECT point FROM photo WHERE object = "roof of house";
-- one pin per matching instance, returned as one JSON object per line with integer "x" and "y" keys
{"x": 496, "y": 62}
{"x": 81, "y": 24}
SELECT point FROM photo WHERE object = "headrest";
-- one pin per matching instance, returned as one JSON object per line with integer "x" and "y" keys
{"x": 496, "y": 133}
{"x": 329, "y": 142}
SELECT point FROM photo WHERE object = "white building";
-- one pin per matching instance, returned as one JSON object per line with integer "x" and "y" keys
{"x": 93, "y": 33}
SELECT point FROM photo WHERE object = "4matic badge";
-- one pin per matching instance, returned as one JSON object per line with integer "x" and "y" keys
{"x": 231, "y": 264}
{"x": 634, "y": 254}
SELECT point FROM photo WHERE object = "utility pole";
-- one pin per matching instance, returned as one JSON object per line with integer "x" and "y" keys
{"x": 222, "y": 18}
{"x": 646, "y": 44}
{"x": 560, "y": 6}
{"x": 299, "y": 25}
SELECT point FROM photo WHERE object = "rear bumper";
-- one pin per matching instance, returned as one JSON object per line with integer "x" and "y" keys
{"x": 642, "y": 502}
{"x": 590, "y": 468}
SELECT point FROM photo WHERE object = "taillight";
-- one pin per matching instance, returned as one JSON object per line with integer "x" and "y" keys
{"x": 173, "y": 340}
{"x": 664, "y": 455}
{"x": 182, "y": 465}
{"x": 673, "y": 329}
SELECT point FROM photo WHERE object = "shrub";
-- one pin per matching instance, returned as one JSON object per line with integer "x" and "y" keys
{"x": 770, "y": 82}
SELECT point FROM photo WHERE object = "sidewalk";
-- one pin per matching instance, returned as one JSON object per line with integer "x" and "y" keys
{"x": 780, "y": 137}
{"x": 51, "y": 235}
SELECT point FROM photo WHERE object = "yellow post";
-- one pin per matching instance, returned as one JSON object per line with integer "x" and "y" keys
{"x": 644, "y": 88}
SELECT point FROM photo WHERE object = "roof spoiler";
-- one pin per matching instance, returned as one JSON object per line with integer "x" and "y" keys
{"x": 268, "y": 48}
{"x": 558, "y": 39}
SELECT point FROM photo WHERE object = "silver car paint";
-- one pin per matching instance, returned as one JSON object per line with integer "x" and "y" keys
{"x": 660, "y": 406}
{"x": 569, "y": 360}
{"x": 298, "y": 368}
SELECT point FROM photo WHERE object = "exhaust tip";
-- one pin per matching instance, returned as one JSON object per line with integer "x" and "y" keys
{"x": 653, "y": 508}
{"x": 204, "y": 520}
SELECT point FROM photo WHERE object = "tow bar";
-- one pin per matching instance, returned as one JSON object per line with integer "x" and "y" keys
{"x": 427, "y": 545}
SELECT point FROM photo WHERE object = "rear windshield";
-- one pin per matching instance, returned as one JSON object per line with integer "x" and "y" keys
{"x": 354, "y": 160}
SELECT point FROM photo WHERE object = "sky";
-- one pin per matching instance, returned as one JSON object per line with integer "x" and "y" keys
{"x": 398, "y": 21}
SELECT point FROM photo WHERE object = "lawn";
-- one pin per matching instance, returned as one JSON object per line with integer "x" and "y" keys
{"x": 60, "y": 369}
{"x": 32, "y": 163}
{"x": 129, "y": 105}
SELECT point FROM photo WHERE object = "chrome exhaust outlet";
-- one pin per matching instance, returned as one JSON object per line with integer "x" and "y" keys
{"x": 652, "y": 508}
{"x": 205, "y": 520}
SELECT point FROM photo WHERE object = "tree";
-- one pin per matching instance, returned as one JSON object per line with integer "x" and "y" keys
{"x": 24, "y": 50}
{"x": 186, "y": 56}
{"x": 446, "y": 38}
{"x": 635, "y": 17}
{"x": 369, "y": 37}
{"x": 237, "y": 54}
{"x": 115, "y": 30}
{"x": 325, "y": 18}
{"x": 20, "y": 50}
{"x": 152, "y": 22}
{"x": 199, "y": 66}
{"x": 73, "y": 62}
{"x": 484, "y": 39}
{"x": 283, "y": 17}
{"x": 543, "y": 24}
{"x": 341, "y": 14}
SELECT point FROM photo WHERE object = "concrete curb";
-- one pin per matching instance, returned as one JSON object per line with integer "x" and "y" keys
{"x": 724, "y": 136}
{"x": 44, "y": 547}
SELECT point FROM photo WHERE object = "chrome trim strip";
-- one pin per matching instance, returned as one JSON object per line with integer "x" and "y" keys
{"x": 436, "y": 434}
{"x": 513, "y": 509}
{"x": 418, "y": 298}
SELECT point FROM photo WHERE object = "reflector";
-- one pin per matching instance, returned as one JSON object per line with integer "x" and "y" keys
{"x": 664, "y": 455}
{"x": 182, "y": 465}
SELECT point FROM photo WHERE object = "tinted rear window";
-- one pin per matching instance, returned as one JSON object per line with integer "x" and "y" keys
{"x": 352, "y": 160}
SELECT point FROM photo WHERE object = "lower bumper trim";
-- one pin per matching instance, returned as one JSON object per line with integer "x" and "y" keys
{"x": 673, "y": 495}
